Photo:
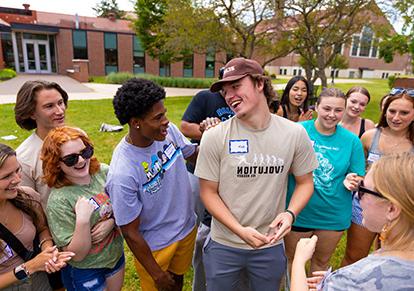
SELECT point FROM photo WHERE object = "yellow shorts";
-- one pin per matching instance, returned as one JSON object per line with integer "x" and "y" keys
{"x": 175, "y": 258}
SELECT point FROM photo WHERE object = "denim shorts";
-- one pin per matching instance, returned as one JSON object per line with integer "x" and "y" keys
{"x": 76, "y": 279}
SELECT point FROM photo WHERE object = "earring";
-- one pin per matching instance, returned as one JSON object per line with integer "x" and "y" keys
{"x": 137, "y": 126}
{"x": 384, "y": 232}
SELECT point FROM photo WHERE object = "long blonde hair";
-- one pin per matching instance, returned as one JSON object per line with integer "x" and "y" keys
{"x": 394, "y": 178}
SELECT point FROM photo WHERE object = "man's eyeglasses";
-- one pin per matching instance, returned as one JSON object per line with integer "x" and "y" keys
{"x": 72, "y": 159}
{"x": 396, "y": 91}
{"x": 362, "y": 191}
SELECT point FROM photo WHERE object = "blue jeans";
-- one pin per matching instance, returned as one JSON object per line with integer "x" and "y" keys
{"x": 223, "y": 264}
{"x": 76, "y": 279}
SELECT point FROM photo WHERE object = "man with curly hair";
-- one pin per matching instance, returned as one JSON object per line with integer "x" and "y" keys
{"x": 150, "y": 189}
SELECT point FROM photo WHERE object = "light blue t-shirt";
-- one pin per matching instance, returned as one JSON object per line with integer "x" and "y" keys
{"x": 152, "y": 183}
{"x": 331, "y": 203}
{"x": 379, "y": 273}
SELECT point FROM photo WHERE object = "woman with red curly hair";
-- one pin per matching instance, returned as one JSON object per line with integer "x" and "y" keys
{"x": 76, "y": 204}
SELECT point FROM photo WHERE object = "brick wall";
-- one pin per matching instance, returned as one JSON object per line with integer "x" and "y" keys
{"x": 177, "y": 69}
{"x": 64, "y": 49}
{"x": 151, "y": 65}
{"x": 96, "y": 53}
{"x": 199, "y": 65}
{"x": 125, "y": 53}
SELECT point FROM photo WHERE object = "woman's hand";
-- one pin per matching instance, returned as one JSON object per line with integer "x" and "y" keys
{"x": 308, "y": 115}
{"x": 316, "y": 278}
{"x": 352, "y": 181}
{"x": 83, "y": 210}
{"x": 305, "y": 248}
{"x": 49, "y": 260}
{"x": 101, "y": 230}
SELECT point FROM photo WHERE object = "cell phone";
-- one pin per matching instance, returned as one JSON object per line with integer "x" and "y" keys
{"x": 311, "y": 107}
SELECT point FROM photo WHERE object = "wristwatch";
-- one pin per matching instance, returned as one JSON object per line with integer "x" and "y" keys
{"x": 21, "y": 272}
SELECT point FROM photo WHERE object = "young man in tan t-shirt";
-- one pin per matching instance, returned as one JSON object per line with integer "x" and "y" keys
{"x": 243, "y": 166}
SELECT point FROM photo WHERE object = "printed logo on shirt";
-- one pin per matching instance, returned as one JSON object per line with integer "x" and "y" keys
{"x": 6, "y": 252}
{"x": 322, "y": 176}
{"x": 224, "y": 113}
{"x": 159, "y": 164}
{"x": 261, "y": 164}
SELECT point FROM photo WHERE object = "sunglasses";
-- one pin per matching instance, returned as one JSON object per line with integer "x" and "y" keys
{"x": 396, "y": 91}
{"x": 362, "y": 191}
{"x": 72, "y": 159}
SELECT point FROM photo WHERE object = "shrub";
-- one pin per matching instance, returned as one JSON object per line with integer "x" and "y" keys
{"x": 7, "y": 74}
{"x": 120, "y": 78}
{"x": 391, "y": 81}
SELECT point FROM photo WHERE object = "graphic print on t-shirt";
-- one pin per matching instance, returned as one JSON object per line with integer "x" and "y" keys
{"x": 261, "y": 164}
{"x": 322, "y": 176}
{"x": 159, "y": 164}
{"x": 224, "y": 113}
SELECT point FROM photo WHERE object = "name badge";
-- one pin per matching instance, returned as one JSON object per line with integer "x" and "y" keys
{"x": 239, "y": 146}
{"x": 372, "y": 157}
{"x": 94, "y": 203}
{"x": 7, "y": 254}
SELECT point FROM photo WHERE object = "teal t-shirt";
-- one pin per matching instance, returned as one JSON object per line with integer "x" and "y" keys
{"x": 61, "y": 217}
{"x": 331, "y": 204}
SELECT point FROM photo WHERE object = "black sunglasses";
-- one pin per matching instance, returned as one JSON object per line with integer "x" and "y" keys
{"x": 362, "y": 191}
{"x": 72, "y": 159}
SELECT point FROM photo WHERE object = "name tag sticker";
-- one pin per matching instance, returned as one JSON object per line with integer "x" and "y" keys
{"x": 94, "y": 203}
{"x": 239, "y": 146}
{"x": 372, "y": 157}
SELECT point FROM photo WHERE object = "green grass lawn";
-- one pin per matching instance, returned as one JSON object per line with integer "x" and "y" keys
{"x": 88, "y": 115}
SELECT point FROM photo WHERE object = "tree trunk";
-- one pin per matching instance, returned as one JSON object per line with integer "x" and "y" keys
{"x": 322, "y": 76}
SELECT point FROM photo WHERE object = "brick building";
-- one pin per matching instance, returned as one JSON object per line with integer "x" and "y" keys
{"x": 43, "y": 42}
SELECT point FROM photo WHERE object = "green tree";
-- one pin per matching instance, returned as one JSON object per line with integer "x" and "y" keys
{"x": 170, "y": 29}
{"x": 319, "y": 29}
{"x": 105, "y": 7}
{"x": 393, "y": 42}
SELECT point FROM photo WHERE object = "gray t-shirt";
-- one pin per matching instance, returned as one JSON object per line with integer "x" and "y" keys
{"x": 372, "y": 273}
{"x": 152, "y": 183}
{"x": 252, "y": 167}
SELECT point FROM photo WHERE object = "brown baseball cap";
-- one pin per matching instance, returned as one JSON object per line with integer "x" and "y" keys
{"x": 236, "y": 69}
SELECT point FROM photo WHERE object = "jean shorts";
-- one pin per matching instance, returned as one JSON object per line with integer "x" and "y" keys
{"x": 76, "y": 279}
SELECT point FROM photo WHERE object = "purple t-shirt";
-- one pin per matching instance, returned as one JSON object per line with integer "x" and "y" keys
{"x": 152, "y": 183}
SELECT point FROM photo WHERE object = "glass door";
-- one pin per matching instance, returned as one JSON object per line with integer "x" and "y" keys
{"x": 36, "y": 56}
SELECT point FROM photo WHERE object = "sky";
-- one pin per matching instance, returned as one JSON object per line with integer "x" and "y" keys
{"x": 81, "y": 7}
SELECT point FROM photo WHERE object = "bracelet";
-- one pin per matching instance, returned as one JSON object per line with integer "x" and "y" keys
{"x": 292, "y": 214}
{"x": 44, "y": 240}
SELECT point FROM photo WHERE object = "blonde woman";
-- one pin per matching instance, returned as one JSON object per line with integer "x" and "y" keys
{"x": 394, "y": 133}
{"x": 387, "y": 200}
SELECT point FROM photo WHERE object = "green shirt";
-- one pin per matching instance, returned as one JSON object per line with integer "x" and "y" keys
{"x": 61, "y": 216}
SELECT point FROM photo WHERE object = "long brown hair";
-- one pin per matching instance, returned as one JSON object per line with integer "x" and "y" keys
{"x": 383, "y": 118}
{"x": 23, "y": 201}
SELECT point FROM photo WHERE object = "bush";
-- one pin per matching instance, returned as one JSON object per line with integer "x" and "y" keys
{"x": 7, "y": 74}
{"x": 120, "y": 78}
{"x": 391, "y": 81}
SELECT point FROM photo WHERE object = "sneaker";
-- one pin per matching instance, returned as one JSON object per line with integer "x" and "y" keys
{"x": 110, "y": 128}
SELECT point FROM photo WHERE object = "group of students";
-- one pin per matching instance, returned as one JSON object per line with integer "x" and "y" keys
{"x": 271, "y": 185}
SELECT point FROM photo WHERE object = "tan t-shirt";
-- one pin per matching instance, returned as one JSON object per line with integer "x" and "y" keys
{"x": 28, "y": 155}
{"x": 252, "y": 170}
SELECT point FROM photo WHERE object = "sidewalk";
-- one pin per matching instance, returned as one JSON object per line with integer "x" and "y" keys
{"x": 88, "y": 91}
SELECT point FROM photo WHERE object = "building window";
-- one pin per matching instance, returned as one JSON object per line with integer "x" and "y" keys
{"x": 7, "y": 47}
{"x": 294, "y": 72}
{"x": 80, "y": 48}
{"x": 210, "y": 63}
{"x": 111, "y": 52}
{"x": 165, "y": 69}
{"x": 139, "y": 56}
{"x": 188, "y": 66}
{"x": 365, "y": 44}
